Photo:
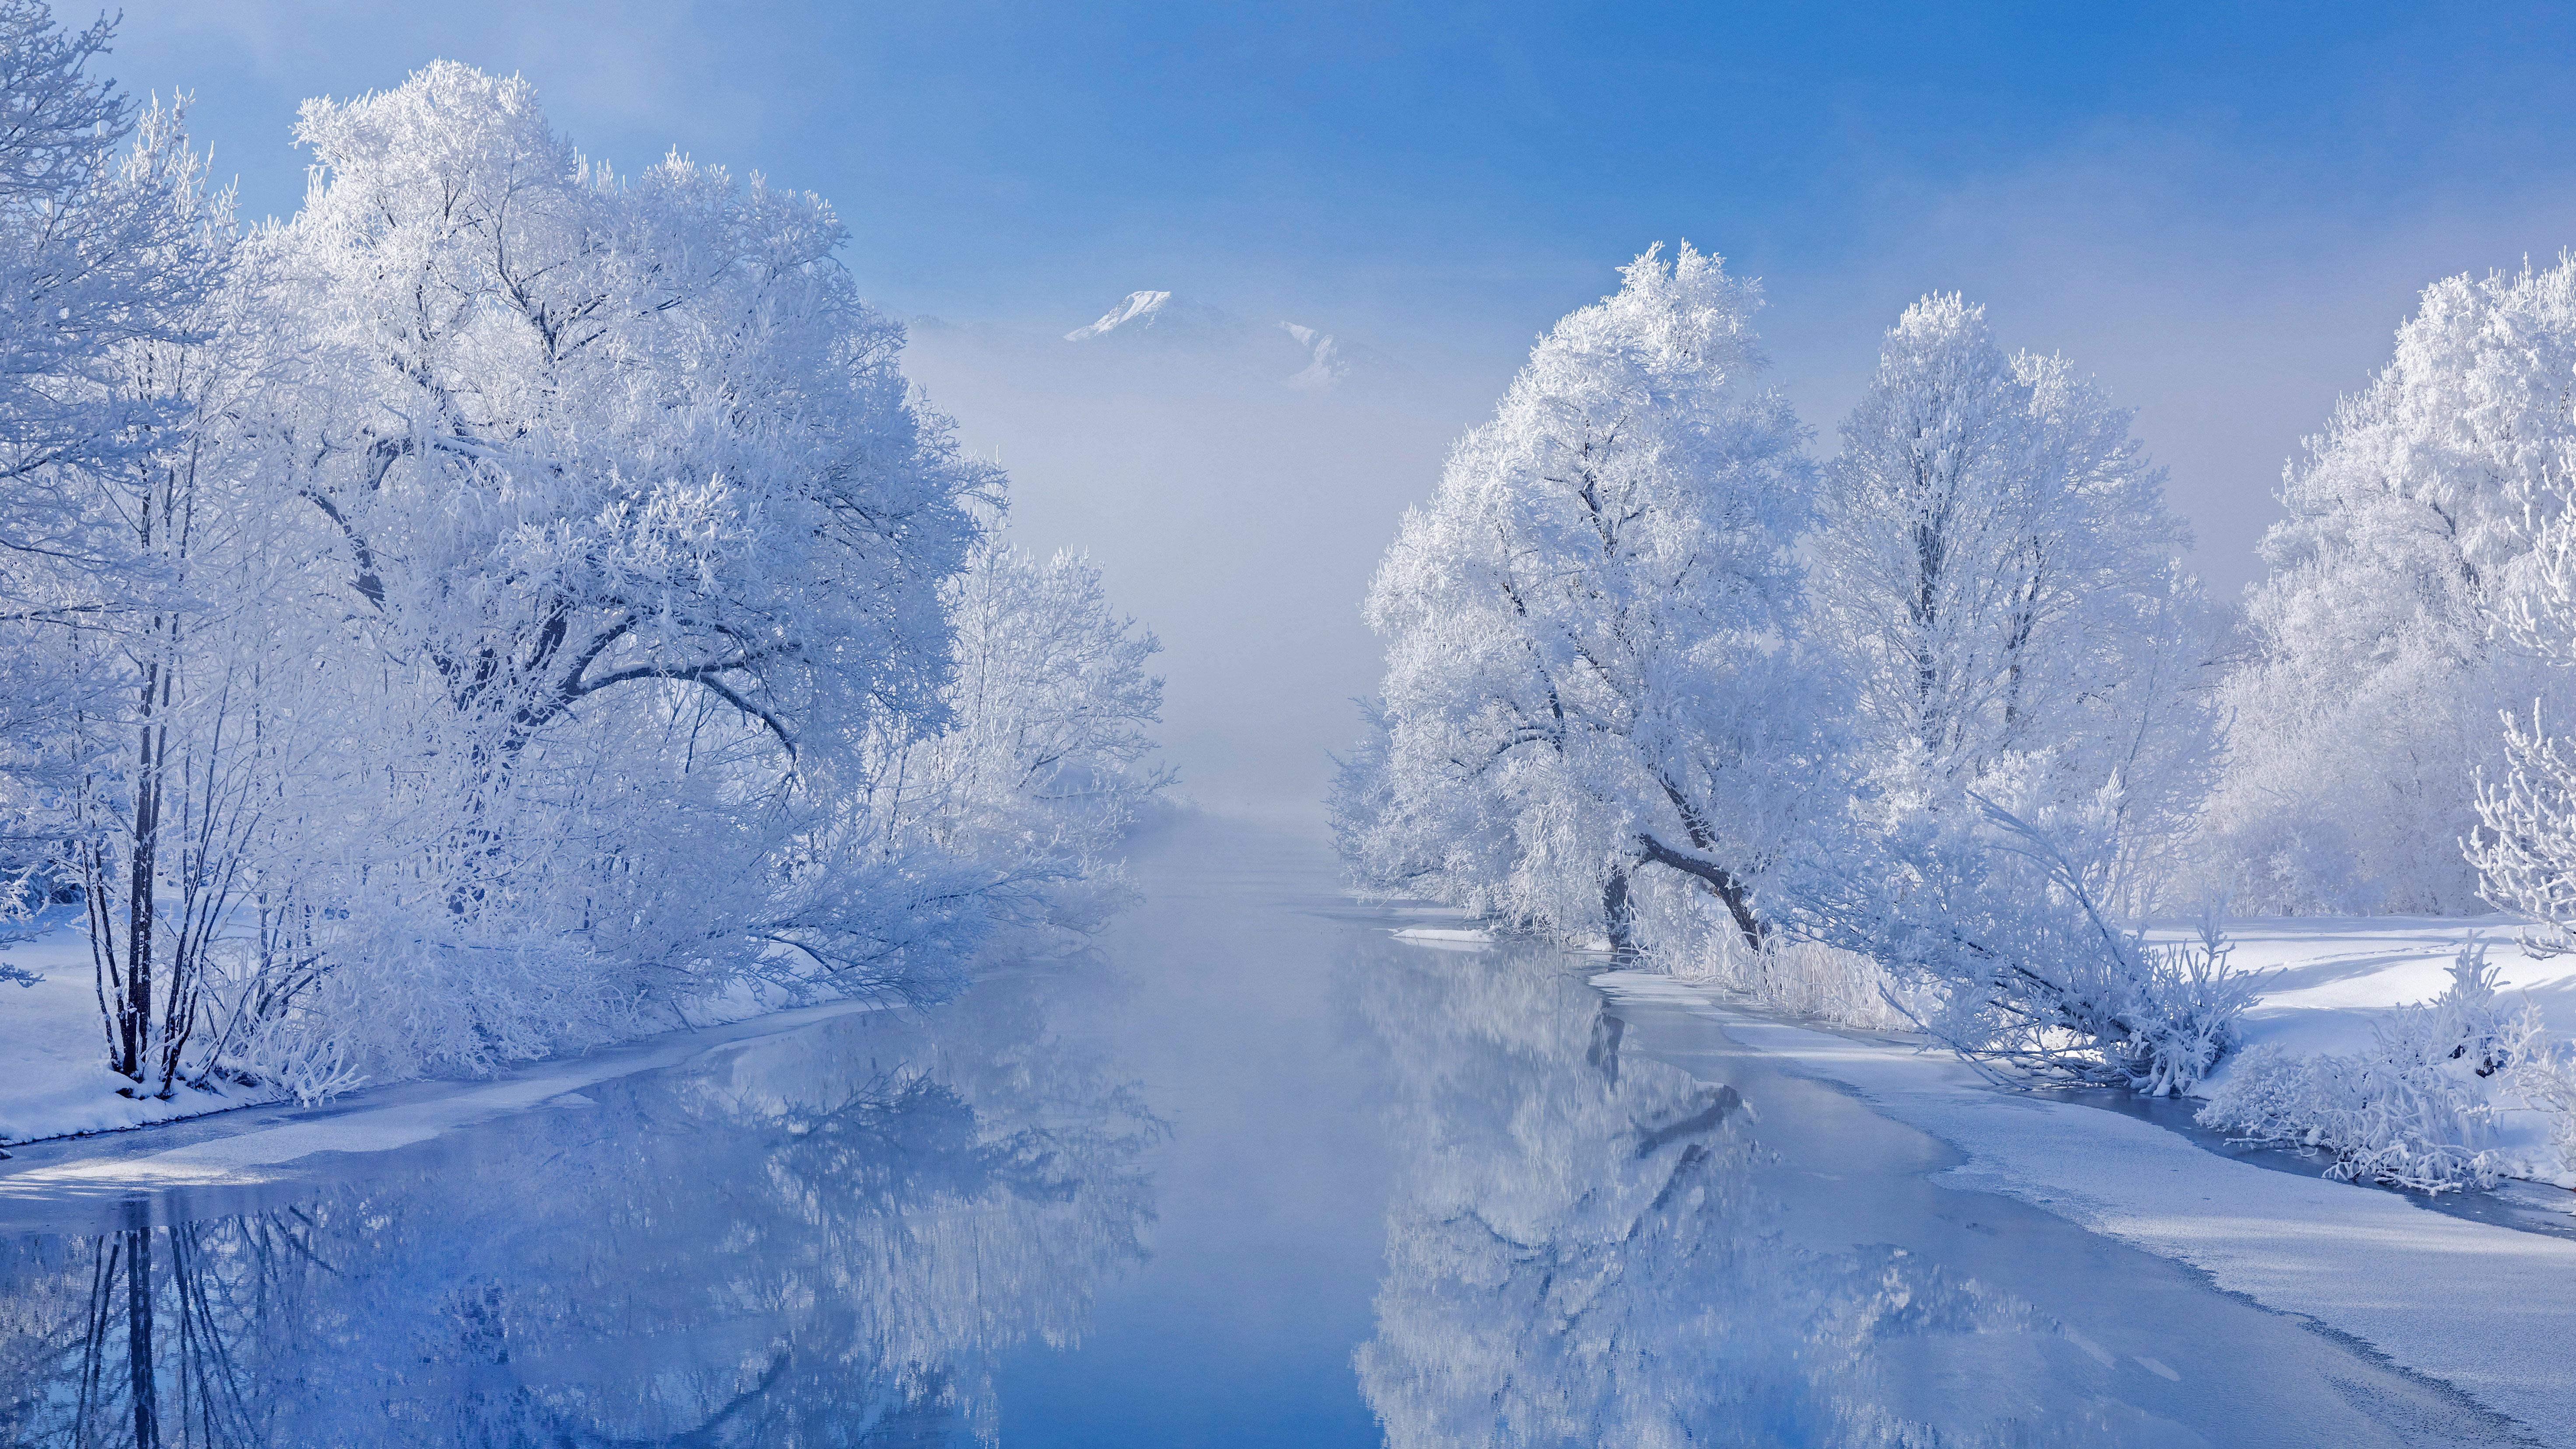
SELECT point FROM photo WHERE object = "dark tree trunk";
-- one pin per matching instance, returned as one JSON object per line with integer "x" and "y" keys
{"x": 1720, "y": 881}
{"x": 1619, "y": 918}
{"x": 1603, "y": 1054}
{"x": 134, "y": 1013}
{"x": 138, "y": 1326}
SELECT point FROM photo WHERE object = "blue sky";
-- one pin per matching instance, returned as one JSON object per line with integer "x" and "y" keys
{"x": 999, "y": 156}
{"x": 1451, "y": 177}
{"x": 2220, "y": 210}
{"x": 967, "y": 136}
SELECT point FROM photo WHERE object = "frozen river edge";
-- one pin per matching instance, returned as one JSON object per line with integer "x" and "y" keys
{"x": 248, "y": 1143}
{"x": 2478, "y": 1306}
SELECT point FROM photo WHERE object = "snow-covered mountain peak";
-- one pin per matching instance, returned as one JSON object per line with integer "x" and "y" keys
{"x": 1329, "y": 359}
{"x": 1162, "y": 317}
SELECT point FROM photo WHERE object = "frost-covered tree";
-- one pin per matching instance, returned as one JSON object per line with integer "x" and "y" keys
{"x": 1049, "y": 727}
{"x": 589, "y": 439}
{"x": 2524, "y": 845}
{"x": 635, "y": 535}
{"x": 93, "y": 259}
{"x": 2365, "y": 708}
{"x": 1995, "y": 569}
{"x": 111, "y": 255}
{"x": 107, "y": 258}
{"x": 174, "y": 718}
{"x": 1996, "y": 575}
{"x": 522, "y": 601}
{"x": 1584, "y": 626}
{"x": 503, "y": 606}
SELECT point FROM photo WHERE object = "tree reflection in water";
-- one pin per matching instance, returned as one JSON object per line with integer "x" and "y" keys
{"x": 823, "y": 1239}
{"x": 1588, "y": 1249}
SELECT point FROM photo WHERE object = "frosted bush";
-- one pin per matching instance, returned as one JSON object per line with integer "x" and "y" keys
{"x": 2384, "y": 1118}
{"x": 294, "y": 1055}
{"x": 2192, "y": 1002}
{"x": 2545, "y": 1079}
{"x": 2416, "y": 1110}
{"x": 1994, "y": 929}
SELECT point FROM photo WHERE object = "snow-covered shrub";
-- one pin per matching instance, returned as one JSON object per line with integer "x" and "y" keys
{"x": 1996, "y": 930}
{"x": 2415, "y": 1110}
{"x": 2545, "y": 1078}
{"x": 295, "y": 1054}
{"x": 2384, "y": 1116}
{"x": 2194, "y": 1001}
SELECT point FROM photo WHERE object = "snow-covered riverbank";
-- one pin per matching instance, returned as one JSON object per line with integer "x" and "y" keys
{"x": 2478, "y": 1306}
{"x": 2327, "y": 980}
{"x": 2324, "y": 981}
{"x": 257, "y": 1146}
{"x": 2319, "y": 987}
{"x": 55, "y": 1082}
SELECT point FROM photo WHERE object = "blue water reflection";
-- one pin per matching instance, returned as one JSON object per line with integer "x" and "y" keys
{"x": 824, "y": 1238}
{"x": 1587, "y": 1249}
{"x": 1256, "y": 1174}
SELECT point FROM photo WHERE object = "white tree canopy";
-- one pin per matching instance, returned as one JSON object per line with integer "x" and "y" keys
{"x": 1996, "y": 576}
{"x": 510, "y": 603}
{"x": 581, "y": 433}
{"x": 2365, "y": 705}
{"x": 1997, "y": 572}
{"x": 1582, "y": 625}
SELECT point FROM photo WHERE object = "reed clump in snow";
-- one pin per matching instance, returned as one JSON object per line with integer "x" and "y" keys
{"x": 1809, "y": 979}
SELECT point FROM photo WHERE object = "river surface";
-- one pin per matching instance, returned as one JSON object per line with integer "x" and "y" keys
{"x": 1254, "y": 1172}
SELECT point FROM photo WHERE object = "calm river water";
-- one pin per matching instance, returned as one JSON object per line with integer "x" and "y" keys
{"x": 1252, "y": 1173}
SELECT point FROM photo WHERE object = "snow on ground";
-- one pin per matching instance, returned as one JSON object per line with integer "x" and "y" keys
{"x": 2481, "y": 1307}
{"x": 54, "y": 1081}
{"x": 387, "y": 1118}
{"x": 53, "y": 1069}
{"x": 2328, "y": 974}
{"x": 2326, "y": 977}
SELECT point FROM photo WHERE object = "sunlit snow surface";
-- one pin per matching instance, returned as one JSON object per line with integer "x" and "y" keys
{"x": 1261, "y": 1173}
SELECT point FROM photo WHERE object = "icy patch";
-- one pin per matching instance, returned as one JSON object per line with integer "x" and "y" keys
{"x": 1445, "y": 940}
